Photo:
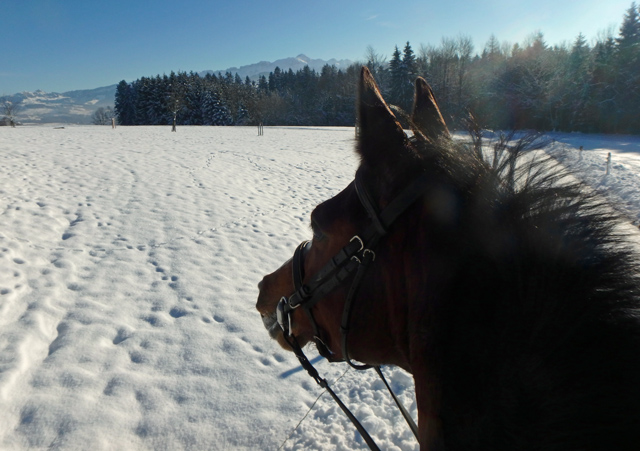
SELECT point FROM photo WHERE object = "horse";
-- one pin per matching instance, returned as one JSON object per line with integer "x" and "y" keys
{"x": 507, "y": 288}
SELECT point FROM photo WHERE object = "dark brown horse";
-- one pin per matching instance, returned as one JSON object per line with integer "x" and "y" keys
{"x": 505, "y": 289}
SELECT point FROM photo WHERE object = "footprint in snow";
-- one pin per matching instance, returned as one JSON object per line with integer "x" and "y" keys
{"x": 177, "y": 312}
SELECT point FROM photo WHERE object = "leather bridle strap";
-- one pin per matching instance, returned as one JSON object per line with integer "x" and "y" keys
{"x": 306, "y": 364}
{"x": 298, "y": 264}
{"x": 369, "y": 205}
{"x": 311, "y": 370}
{"x": 342, "y": 265}
{"x": 394, "y": 209}
{"x": 368, "y": 257}
{"x": 332, "y": 275}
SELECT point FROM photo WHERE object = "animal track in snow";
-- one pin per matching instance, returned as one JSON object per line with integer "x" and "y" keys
{"x": 123, "y": 334}
{"x": 136, "y": 357}
{"x": 112, "y": 386}
{"x": 177, "y": 312}
{"x": 58, "y": 341}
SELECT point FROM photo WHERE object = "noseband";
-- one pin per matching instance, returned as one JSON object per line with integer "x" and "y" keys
{"x": 352, "y": 261}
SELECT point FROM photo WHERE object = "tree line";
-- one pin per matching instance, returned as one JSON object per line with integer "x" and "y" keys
{"x": 570, "y": 87}
{"x": 284, "y": 98}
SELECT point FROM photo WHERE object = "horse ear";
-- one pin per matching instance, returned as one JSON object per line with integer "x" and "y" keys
{"x": 426, "y": 114}
{"x": 380, "y": 132}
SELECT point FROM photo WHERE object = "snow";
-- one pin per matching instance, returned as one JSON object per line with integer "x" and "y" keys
{"x": 622, "y": 184}
{"x": 129, "y": 260}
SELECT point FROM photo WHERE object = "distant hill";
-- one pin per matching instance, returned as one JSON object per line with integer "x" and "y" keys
{"x": 76, "y": 107}
{"x": 73, "y": 107}
{"x": 254, "y": 71}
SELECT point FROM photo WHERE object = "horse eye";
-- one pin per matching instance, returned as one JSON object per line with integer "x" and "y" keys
{"x": 317, "y": 233}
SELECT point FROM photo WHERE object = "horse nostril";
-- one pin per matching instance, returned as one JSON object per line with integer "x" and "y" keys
{"x": 260, "y": 284}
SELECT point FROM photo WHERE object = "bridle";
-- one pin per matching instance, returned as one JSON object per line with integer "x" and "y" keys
{"x": 351, "y": 262}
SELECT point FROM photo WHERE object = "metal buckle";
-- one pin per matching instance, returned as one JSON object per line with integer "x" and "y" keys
{"x": 284, "y": 323}
{"x": 373, "y": 254}
{"x": 356, "y": 237}
{"x": 359, "y": 260}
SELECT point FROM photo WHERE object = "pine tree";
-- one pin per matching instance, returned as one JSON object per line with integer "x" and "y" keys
{"x": 214, "y": 111}
{"x": 409, "y": 62}
{"x": 628, "y": 62}
{"x": 629, "y": 38}
{"x": 193, "y": 102}
{"x": 603, "y": 82}
{"x": 147, "y": 108}
{"x": 263, "y": 86}
{"x": 275, "y": 81}
{"x": 409, "y": 72}
{"x": 492, "y": 48}
{"x": 580, "y": 51}
{"x": 396, "y": 78}
{"x": 125, "y": 104}
{"x": 576, "y": 86}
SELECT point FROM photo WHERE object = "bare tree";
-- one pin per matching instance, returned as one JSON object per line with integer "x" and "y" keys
{"x": 176, "y": 98}
{"x": 9, "y": 109}
{"x": 465, "y": 53}
{"x": 377, "y": 64}
{"x": 102, "y": 116}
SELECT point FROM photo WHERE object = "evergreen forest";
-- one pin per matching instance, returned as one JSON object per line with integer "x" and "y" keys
{"x": 576, "y": 86}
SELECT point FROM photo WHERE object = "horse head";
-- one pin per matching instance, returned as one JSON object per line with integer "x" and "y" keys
{"x": 388, "y": 162}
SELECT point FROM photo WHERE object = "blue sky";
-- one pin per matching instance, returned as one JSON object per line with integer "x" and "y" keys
{"x": 62, "y": 45}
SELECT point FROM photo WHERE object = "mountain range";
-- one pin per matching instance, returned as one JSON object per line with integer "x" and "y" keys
{"x": 255, "y": 71}
{"x": 76, "y": 107}
{"x": 73, "y": 107}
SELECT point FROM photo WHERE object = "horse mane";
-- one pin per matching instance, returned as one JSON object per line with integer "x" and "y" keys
{"x": 536, "y": 318}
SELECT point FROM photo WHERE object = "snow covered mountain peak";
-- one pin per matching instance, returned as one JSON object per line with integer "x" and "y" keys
{"x": 255, "y": 71}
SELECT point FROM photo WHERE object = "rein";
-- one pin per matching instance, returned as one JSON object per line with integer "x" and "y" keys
{"x": 352, "y": 261}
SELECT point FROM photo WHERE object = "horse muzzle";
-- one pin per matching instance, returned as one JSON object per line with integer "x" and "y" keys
{"x": 270, "y": 289}
{"x": 271, "y": 324}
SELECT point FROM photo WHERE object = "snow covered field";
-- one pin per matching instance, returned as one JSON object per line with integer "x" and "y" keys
{"x": 129, "y": 260}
